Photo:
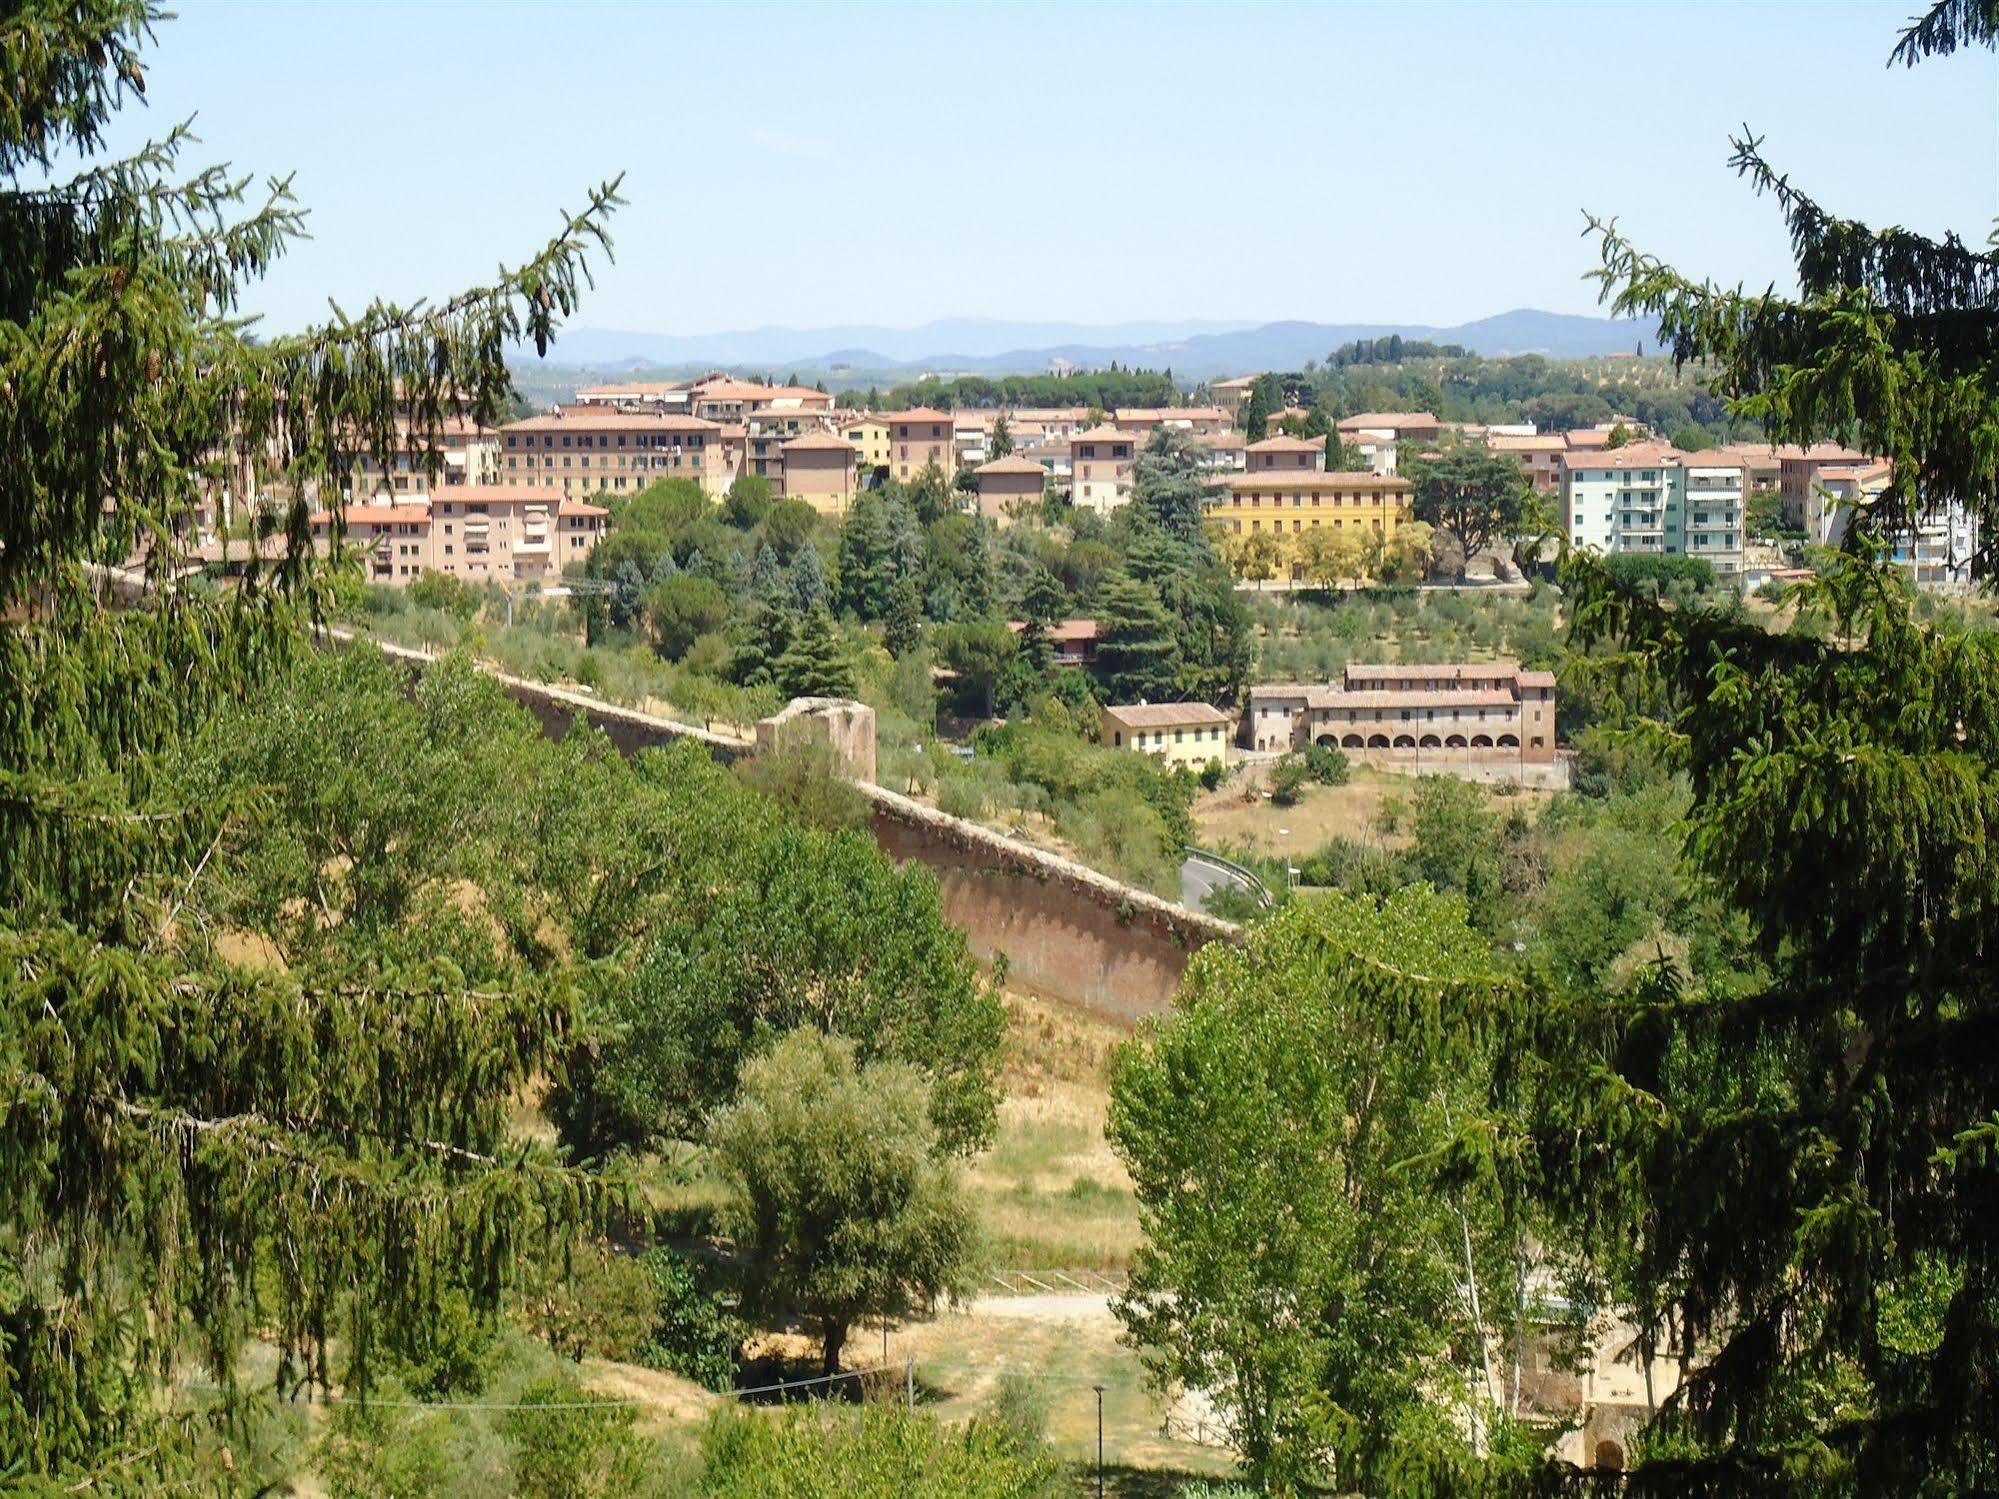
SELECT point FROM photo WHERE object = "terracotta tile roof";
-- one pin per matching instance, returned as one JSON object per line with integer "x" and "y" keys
{"x": 1064, "y": 630}
{"x": 1165, "y": 715}
{"x": 1465, "y": 671}
{"x": 1302, "y": 478}
{"x": 1318, "y": 696}
{"x": 1283, "y": 444}
{"x": 1547, "y": 442}
{"x": 374, "y": 515}
{"x": 1152, "y": 414}
{"x": 819, "y": 442}
{"x": 1102, "y": 434}
{"x": 1011, "y": 464}
{"x": 636, "y": 389}
{"x": 918, "y": 414}
{"x": 1395, "y": 419}
{"x": 579, "y": 418}
{"x": 580, "y": 507}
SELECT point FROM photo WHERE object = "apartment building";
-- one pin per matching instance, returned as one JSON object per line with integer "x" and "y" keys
{"x": 1144, "y": 420}
{"x": 1175, "y": 734}
{"x": 1290, "y": 502}
{"x": 1417, "y": 427}
{"x": 972, "y": 435}
{"x": 1800, "y": 471}
{"x": 869, "y": 435}
{"x": 1376, "y": 451}
{"x": 1232, "y": 395}
{"x": 1100, "y": 462}
{"x": 483, "y": 534}
{"x": 918, "y": 438}
{"x": 821, "y": 470}
{"x": 1652, "y": 499}
{"x": 461, "y": 451}
{"x": 1275, "y": 455}
{"x": 719, "y": 398}
{"x": 1047, "y": 423}
{"x": 1540, "y": 455}
{"x": 1934, "y": 549}
{"x": 1228, "y": 450}
{"x": 583, "y": 450}
{"x": 673, "y": 396}
{"x": 1010, "y": 487}
{"x": 1429, "y": 718}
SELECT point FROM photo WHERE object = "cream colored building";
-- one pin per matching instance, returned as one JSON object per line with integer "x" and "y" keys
{"x": 585, "y": 450}
{"x": 483, "y": 534}
{"x": 1100, "y": 462}
{"x": 869, "y": 435}
{"x": 1428, "y": 718}
{"x": 1189, "y": 734}
{"x": 819, "y": 468}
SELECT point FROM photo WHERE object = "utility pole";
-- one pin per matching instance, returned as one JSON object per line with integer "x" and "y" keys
{"x": 1100, "y": 1439}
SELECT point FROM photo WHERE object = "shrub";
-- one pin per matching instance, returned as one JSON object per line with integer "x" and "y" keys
{"x": 575, "y": 1445}
{"x": 1287, "y": 780}
{"x": 1326, "y": 765}
{"x": 885, "y": 1453}
{"x": 694, "y": 1335}
{"x": 455, "y": 596}
{"x": 803, "y": 773}
{"x": 1212, "y": 774}
{"x": 368, "y": 1451}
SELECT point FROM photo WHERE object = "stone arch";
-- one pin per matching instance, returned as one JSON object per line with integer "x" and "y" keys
{"x": 1327, "y": 741}
{"x": 1377, "y": 741}
{"x": 1481, "y": 741}
{"x": 1405, "y": 741}
{"x": 1455, "y": 741}
{"x": 1431, "y": 741}
{"x": 1509, "y": 741}
{"x": 1352, "y": 741}
{"x": 1610, "y": 1456}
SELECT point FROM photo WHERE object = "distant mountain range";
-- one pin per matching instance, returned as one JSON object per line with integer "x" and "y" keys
{"x": 1199, "y": 350}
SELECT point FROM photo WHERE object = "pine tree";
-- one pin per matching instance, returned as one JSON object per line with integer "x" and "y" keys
{"x": 194, "y": 1149}
{"x": 815, "y": 664}
{"x": 806, "y": 579}
{"x": 1135, "y": 647}
{"x": 1002, "y": 443}
{"x": 767, "y": 580}
{"x": 978, "y": 590}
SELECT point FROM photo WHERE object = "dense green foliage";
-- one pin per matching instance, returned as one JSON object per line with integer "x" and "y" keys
{"x": 1097, "y": 390}
{"x": 1312, "y": 1258}
{"x": 840, "y": 1202}
{"x": 195, "y": 1148}
{"x": 879, "y": 1453}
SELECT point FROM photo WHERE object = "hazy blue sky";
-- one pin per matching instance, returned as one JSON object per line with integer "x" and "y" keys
{"x": 813, "y": 164}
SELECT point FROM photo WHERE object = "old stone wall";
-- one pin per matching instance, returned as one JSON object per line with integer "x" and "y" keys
{"x": 1067, "y": 932}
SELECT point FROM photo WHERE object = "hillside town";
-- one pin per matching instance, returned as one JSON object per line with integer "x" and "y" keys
{"x": 1255, "y": 837}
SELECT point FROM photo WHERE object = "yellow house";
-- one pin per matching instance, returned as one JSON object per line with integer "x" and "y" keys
{"x": 869, "y": 435}
{"x": 1189, "y": 734}
{"x": 1290, "y": 502}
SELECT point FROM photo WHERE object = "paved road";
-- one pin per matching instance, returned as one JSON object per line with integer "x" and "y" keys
{"x": 1198, "y": 877}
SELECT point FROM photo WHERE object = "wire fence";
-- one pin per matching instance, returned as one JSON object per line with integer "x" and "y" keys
{"x": 1057, "y": 1282}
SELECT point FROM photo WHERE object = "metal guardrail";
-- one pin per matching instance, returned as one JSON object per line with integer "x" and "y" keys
{"x": 1243, "y": 871}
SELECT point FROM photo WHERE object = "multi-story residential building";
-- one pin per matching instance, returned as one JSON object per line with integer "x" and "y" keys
{"x": 869, "y": 435}
{"x": 972, "y": 435}
{"x": 583, "y": 450}
{"x": 492, "y": 533}
{"x": 1290, "y": 502}
{"x": 1143, "y": 420}
{"x": 1228, "y": 450}
{"x": 1417, "y": 427}
{"x": 1376, "y": 451}
{"x": 1100, "y": 462}
{"x": 1800, "y": 472}
{"x": 1934, "y": 549}
{"x": 1437, "y": 718}
{"x": 1652, "y": 499}
{"x": 464, "y": 453}
{"x": 1285, "y": 455}
{"x": 675, "y": 396}
{"x": 720, "y": 398}
{"x": 1049, "y": 423}
{"x": 1176, "y": 734}
{"x": 1541, "y": 456}
{"x": 918, "y": 438}
{"x": 819, "y": 468}
{"x": 1054, "y": 460}
{"x": 1232, "y": 395}
{"x": 1010, "y": 487}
